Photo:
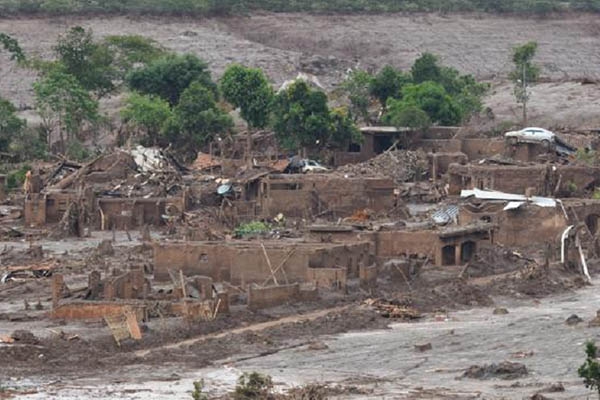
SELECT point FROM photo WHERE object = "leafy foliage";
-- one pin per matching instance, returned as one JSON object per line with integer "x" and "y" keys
{"x": 196, "y": 119}
{"x": 403, "y": 114}
{"x": 432, "y": 98}
{"x": 198, "y": 393}
{"x": 342, "y": 129}
{"x": 129, "y": 50}
{"x": 63, "y": 104}
{"x": 248, "y": 89}
{"x": 357, "y": 86}
{"x": 170, "y": 75}
{"x": 590, "y": 370}
{"x": 251, "y": 228}
{"x": 426, "y": 68}
{"x": 12, "y": 46}
{"x": 253, "y": 386}
{"x": 525, "y": 72}
{"x": 301, "y": 116}
{"x": 89, "y": 62}
{"x": 388, "y": 83}
{"x": 10, "y": 124}
{"x": 148, "y": 114}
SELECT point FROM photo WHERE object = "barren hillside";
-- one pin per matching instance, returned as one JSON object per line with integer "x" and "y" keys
{"x": 284, "y": 44}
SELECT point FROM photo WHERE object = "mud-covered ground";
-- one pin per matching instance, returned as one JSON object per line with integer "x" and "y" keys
{"x": 285, "y": 44}
{"x": 54, "y": 363}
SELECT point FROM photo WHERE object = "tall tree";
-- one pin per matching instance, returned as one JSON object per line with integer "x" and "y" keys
{"x": 170, "y": 75}
{"x": 90, "y": 62}
{"x": 356, "y": 85}
{"x": 248, "y": 89}
{"x": 147, "y": 114}
{"x": 129, "y": 50}
{"x": 64, "y": 105}
{"x": 198, "y": 119}
{"x": 432, "y": 98}
{"x": 10, "y": 124}
{"x": 426, "y": 68}
{"x": 301, "y": 117}
{"x": 388, "y": 83}
{"x": 524, "y": 73}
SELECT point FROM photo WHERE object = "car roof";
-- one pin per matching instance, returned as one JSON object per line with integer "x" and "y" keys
{"x": 536, "y": 128}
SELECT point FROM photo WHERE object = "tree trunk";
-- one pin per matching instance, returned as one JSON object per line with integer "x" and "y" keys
{"x": 249, "y": 148}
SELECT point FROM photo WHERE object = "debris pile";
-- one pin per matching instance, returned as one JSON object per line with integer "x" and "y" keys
{"x": 400, "y": 165}
{"x": 393, "y": 309}
{"x": 142, "y": 172}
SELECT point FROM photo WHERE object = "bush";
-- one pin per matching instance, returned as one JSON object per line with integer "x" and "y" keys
{"x": 590, "y": 370}
{"x": 252, "y": 228}
{"x": 253, "y": 386}
{"x": 16, "y": 178}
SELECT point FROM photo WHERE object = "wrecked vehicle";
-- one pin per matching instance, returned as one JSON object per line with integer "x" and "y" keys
{"x": 531, "y": 135}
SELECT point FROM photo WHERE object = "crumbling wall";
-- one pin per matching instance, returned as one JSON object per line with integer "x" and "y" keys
{"x": 259, "y": 298}
{"x": 392, "y": 244}
{"x": 329, "y": 278}
{"x": 529, "y": 225}
{"x": 570, "y": 180}
{"x": 304, "y": 196}
{"x": 368, "y": 276}
{"x": 245, "y": 262}
{"x": 34, "y": 210}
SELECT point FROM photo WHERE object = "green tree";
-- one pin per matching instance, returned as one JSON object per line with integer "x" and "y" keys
{"x": 91, "y": 63}
{"x": 357, "y": 86}
{"x": 405, "y": 115}
{"x": 170, "y": 75}
{"x": 12, "y": 46}
{"x": 147, "y": 114}
{"x": 301, "y": 117}
{"x": 129, "y": 50}
{"x": 525, "y": 73}
{"x": 590, "y": 370}
{"x": 388, "y": 83}
{"x": 426, "y": 68}
{"x": 197, "y": 119}
{"x": 248, "y": 89}
{"x": 10, "y": 125}
{"x": 432, "y": 98}
{"x": 64, "y": 106}
{"x": 343, "y": 131}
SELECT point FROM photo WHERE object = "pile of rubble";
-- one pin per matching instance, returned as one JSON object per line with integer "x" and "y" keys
{"x": 140, "y": 172}
{"x": 393, "y": 309}
{"x": 400, "y": 165}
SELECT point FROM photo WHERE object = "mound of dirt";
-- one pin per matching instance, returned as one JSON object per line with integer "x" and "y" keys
{"x": 504, "y": 370}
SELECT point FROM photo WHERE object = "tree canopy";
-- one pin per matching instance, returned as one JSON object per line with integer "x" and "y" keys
{"x": 170, "y": 75}
{"x": 248, "y": 89}
{"x": 89, "y": 62}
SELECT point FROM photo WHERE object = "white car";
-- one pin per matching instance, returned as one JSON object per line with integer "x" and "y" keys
{"x": 313, "y": 166}
{"x": 531, "y": 135}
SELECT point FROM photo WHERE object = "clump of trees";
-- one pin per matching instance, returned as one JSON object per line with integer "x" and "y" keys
{"x": 174, "y": 102}
{"x": 303, "y": 120}
{"x": 429, "y": 94}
